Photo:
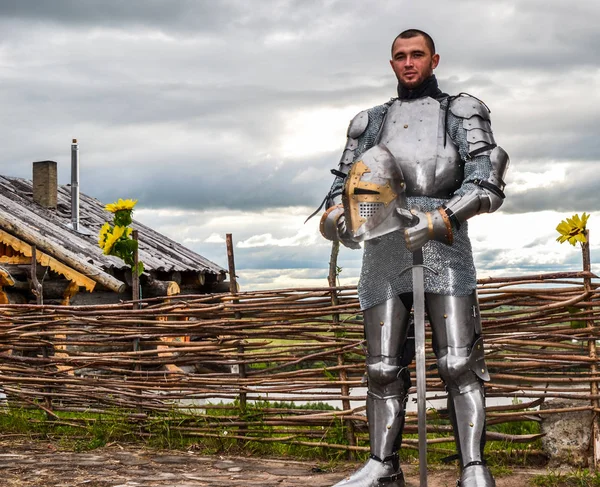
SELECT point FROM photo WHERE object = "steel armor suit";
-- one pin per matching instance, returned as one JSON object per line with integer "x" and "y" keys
{"x": 451, "y": 170}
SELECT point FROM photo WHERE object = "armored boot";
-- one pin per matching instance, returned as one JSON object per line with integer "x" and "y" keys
{"x": 386, "y": 421}
{"x": 476, "y": 475}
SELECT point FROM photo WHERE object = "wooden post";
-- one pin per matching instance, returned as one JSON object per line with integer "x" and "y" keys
{"x": 241, "y": 366}
{"x": 37, "y": 287}
{"x": 38, "y": 291}
{"x": 231, "y": 264}
{"x": 135, "y": 289}
{"x": 135, "y": 278}
{"x": 345, "y": 389}
{"x": 135, "y": 296}
{"x": 587, "y": 284}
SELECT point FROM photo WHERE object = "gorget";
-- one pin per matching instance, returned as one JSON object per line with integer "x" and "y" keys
{"x": 414, "y": 132}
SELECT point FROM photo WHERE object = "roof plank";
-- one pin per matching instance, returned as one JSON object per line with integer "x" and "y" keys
{"x": 158, "y": 252}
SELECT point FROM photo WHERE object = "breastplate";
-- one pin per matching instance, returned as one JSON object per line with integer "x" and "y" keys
{"x": 413, "y": 131}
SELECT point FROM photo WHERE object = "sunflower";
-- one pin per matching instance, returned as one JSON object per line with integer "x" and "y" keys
{"x": 102, "y": 235}
{"x": 111, "y": 238}
{"x": 573, "y": 229}
{"x": 121, "y": 204}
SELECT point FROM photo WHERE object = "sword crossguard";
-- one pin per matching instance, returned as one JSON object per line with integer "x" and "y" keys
{"x": 418, "y": 265}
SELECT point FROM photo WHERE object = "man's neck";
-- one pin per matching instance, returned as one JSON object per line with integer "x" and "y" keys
{"x": 429, "y": 87}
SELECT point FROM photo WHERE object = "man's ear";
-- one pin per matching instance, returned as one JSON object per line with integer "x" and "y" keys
{"x": 435, "y": 60}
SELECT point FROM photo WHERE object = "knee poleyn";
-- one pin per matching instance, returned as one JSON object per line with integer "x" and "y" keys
{"x": 457, "y": 373}
{"x": 382, "y": 373}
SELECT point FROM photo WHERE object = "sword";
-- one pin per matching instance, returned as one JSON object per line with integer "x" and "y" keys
{"x": 419, "y": 318}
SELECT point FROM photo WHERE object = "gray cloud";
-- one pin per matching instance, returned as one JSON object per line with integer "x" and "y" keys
{"x": 114, "y": 13}
{"x": 577, "y": 193}
{"x": 183, "y": 104}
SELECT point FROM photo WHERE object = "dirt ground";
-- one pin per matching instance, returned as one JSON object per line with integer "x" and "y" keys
{"x": 25, "y": 463}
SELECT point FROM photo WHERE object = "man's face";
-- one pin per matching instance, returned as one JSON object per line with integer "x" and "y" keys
{"x": 412, "y": 61}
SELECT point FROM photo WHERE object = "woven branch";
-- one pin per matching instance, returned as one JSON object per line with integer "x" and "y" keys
{"x": 295, "y": 347}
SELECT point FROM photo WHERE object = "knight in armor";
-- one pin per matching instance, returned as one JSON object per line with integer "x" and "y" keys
{"x": 413, "y": 172}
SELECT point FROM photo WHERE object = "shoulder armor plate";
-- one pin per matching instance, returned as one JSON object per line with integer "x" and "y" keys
{"x": 477, "y": 123}
{"x": 467, "y": 107}
{"x": 358, "y": 125}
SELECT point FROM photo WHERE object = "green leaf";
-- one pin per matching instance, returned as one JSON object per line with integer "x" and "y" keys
{"x": 576, "y": 323}
{"x": 140, "y": 269}
{"x": 130, "y": 245}
{"x": 123, "y": 218}
{"x": 120, "y": 247}
{"x": 329, "y": 375}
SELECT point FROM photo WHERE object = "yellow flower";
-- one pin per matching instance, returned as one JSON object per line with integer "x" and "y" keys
{"x": 121, "y": 204}
{"x": 572, "y": 229}
{"x": 111, "y": 238}
{"x": 102, "y": 235}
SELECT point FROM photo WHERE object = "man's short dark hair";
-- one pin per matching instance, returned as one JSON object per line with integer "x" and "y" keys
{"x": 410, "y": 33}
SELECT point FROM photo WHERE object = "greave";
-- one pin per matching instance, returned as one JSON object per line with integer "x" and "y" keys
{"x": 386, "y": 422}
{"x": 467, "y": 412}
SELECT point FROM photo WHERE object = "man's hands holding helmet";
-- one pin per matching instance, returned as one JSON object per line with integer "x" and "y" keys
{"x": 426, "y": 226}
{"x": 422, "y": 227}
{"x": 333, "y": 227}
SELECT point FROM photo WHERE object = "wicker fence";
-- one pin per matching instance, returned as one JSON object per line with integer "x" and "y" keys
{"x": 245, "y": 365}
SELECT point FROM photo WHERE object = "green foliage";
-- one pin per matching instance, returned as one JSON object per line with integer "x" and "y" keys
{"x": 576, "y": 323}
{"x": 256, "y": 412}
{"x": 123, "y": 218}
{"x": 77, "y": 431}
{"x": 580, "y": 478}
{"x": 179, "y": 429}
{"x": 329, "y": 375}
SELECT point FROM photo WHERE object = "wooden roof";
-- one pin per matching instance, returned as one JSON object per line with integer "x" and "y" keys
{"x": 158, "y": 252}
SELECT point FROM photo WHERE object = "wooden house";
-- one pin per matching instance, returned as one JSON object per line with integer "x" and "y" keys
{"x": 70, "y": 266}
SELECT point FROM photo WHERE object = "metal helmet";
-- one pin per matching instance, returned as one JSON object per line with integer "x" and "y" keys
{"x": 373, "y": 190}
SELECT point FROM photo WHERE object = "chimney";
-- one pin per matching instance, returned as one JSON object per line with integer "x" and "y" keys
{"x": 75, "y": 185}
{"x": 45, "y": 183}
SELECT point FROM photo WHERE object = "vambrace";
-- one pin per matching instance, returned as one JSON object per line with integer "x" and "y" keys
{"x": 330, "y": 222}
{"x": 485, "y": 196}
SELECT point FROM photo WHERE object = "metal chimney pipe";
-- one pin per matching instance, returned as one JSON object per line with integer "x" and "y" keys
{"x": 75, "y": 185}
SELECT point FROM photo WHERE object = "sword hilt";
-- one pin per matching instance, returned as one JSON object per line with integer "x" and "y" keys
{"x": 418, "y": 257}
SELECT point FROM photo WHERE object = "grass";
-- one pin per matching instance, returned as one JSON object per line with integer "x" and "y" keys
{"x": 178, "y": 430}
{"x": 580, "y": 478}
{"x": 87, "y": 431}
{"x": 74, "y": 431}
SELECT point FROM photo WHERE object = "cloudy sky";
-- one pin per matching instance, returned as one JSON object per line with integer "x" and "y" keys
{"x": 225, "y": 116}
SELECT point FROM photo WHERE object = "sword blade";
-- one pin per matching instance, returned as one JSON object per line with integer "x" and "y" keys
{"x": 419, "y": 316}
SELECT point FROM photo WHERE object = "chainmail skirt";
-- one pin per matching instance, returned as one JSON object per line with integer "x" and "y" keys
{"x": 386, "y": 264}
